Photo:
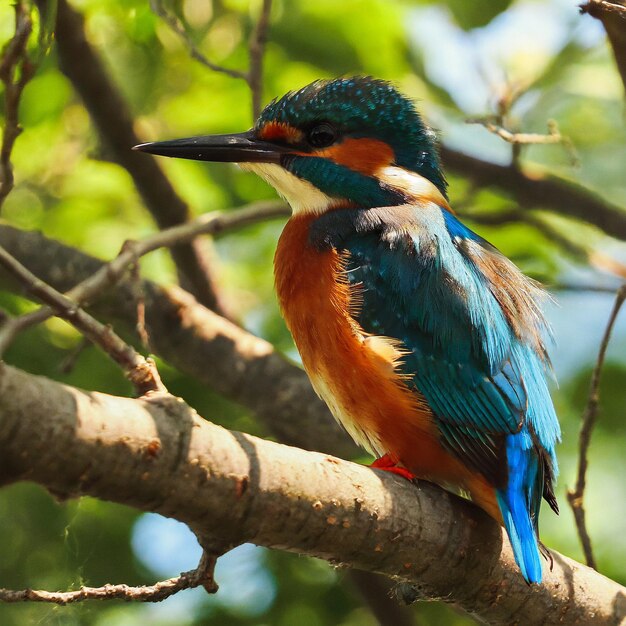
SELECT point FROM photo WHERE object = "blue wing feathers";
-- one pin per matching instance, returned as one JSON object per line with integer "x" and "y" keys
{"x": 472, "y": 328}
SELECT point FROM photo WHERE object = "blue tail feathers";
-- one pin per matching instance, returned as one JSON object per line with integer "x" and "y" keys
{"x": 522, "y": 537}
{"x": 517, "y": 503}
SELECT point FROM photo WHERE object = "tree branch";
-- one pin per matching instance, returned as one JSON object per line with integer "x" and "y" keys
{"x": 202, "y": 576}
{"x": 374, "y": 589}
{"x": 579, "y": 251}
{"x": 141, "y": 372}
{"x": 201, "y": 344}
{"x": 494, "y": 124}
{"x": 553, "y": 135}
{"x": 575, "y": 497}
{"x": 538, "y": 189}
{"x": 157, "y": 455}
{"x": 256, "y": 48}
{"x": 109, "y": 274}
{"x": 176, "y": 27}
{"x": 16, "y": 69}
{"x": 114, "y": 123}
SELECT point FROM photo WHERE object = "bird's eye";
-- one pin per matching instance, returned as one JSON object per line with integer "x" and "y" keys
{"x": 322, "y": 135}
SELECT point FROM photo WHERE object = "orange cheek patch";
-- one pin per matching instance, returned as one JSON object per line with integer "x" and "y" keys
{"x": 361, "y": 155}
{"x": 273, "y": 131}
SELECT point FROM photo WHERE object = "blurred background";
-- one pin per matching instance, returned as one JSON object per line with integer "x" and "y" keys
{"x": 460, "y": 60}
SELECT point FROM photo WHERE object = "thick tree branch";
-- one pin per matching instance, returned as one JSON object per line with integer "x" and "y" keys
{"x": 157, "y": 455}
{"x": 538, "y": 189}
{"x": 374, "y": 588}
{"x": 198, "y": 342}
{"x": 113, "y": 120}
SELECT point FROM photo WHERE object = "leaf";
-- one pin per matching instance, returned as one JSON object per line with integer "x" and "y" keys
{"x": 47, "y": 21}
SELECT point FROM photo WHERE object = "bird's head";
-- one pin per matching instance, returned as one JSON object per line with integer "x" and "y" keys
{"x": 345, "y": 142}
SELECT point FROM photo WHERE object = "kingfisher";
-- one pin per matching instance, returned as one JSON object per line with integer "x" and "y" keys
{"x": 426, "y": 343}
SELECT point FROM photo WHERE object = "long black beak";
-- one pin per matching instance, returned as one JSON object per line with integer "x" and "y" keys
{"x": 236, "y": 148}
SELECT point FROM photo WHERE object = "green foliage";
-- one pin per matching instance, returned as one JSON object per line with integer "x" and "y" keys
{"x": 67, "y": 187}
{"x": 470, "y": 15}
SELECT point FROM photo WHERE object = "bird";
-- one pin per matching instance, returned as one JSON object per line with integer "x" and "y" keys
{"x": 427, "y": 344}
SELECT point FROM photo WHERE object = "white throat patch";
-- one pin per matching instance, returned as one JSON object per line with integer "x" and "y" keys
{"x": 302, "y": 196}
{"x": 411, "y": 183}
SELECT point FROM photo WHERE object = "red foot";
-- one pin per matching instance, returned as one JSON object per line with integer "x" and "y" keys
{"x": 387, "y": 464}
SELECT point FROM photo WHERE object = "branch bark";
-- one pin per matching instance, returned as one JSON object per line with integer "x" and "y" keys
{"x": 157, "y": 455}
{"x": 114, "y": 123}
{"x": 233, "y": 362}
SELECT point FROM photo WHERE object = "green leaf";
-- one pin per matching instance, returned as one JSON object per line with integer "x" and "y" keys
{"x": 47, "y": 20}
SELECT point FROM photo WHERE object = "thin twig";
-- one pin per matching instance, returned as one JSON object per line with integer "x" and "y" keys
{"x": 256, "y": 50}
{"x": 16, "y": 69}
{"x": 590, "y": 417}
{"x": 494, "y": 125}
{"x": 553, "y": 136}
{"x": 202, "y": 576}
{"x": 499, "y": 125}
{"x": 207, "y": 224}
{"x": 177, "y": 27}
{"x": 256, "y": 47}
{"x": 10, "y": 327}
{"x": 113, "y": 119}
{"x": 141, "y": 372}
{"x": 140, "y": 298}
{"x": 89, "y": 289}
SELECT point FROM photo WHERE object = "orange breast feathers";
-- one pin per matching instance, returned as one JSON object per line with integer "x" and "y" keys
{"x": 351, "y": 370}
{"x": 355, "y": 372}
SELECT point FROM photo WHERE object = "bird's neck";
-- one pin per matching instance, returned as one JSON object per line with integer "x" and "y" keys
{"x": 302, "y": 196}
{"x": 416, "y": 188}
{"x": 313, "y": 186}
